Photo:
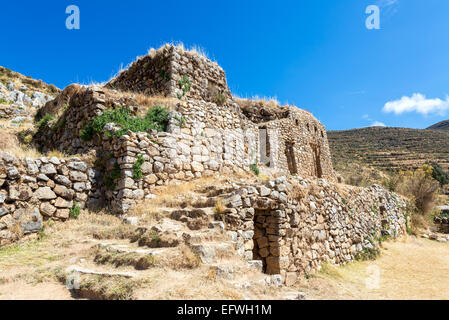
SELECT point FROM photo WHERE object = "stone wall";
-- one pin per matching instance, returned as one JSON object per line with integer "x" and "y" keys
{"x": 160, "y": 73}
{"x": 296, "y": 145}
{"x": 33, "y": 190}
{"x": 293, "y": 226}
{"x": 74, "y": 109}
{"x": 182, "y": 155}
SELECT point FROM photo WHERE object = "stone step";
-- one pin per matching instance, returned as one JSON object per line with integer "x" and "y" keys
{"x": 123, "y": 248}
{"x": 203, "y": 236}
{"x": 209, "y": 252}
{"x": 80, "y": 270}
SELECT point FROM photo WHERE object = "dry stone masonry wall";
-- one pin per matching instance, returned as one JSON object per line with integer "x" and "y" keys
{"x": 171, "y": 69}
{"x": 294, "y": 226}
{"x": 32, "y": 190}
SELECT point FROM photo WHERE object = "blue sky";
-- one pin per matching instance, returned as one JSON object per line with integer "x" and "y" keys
{"x": 316, "y": 54}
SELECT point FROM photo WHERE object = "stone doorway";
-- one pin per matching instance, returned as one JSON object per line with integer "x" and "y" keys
{"x": 316, "y": 152}
{"x": 265, "y": 248}
{"x": 291, "y": 160}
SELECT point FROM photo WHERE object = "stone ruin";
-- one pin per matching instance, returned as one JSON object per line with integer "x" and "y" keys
{"x": 208, "y": 132}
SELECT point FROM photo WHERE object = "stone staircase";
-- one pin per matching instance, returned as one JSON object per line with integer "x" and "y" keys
{"x": 193, "y": 227}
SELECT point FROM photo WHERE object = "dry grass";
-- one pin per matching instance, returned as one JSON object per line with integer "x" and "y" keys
{"x": 10, "y": 143}
{"x": 409, "y": 269}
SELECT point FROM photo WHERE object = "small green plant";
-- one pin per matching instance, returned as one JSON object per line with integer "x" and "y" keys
{"x": 185, "y": 86}
{"x": 45, "y": 120}
{"x": 41, "y": 234}
{"x": 255, "y": 169}
{"x": 181, "y": 121}
{"x": 137, "y": 168}
{"x": 368, "y": 254}
{"x": 220, "y": 99}
{"x": 75, "y": 211}
{"x": 3, "y": 101}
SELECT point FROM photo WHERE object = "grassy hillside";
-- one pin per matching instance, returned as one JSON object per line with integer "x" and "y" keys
{"x": 388, "y": 149}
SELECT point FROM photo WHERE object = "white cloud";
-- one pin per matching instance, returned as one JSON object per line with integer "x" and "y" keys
{"x": 417, "y": 103}
{"x": 378, "y": 124}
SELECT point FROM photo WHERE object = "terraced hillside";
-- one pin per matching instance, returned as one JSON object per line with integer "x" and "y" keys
{"x": 443, "y": 125}
{"x": 388, "y": 149}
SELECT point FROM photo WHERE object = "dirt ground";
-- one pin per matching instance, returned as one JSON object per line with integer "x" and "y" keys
{"x": 411, "y": 268}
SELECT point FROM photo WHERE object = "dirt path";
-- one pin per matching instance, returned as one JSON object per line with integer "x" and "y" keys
{"x": 409, "y": 269}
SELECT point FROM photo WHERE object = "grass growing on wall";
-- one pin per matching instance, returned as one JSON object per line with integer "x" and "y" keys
{"x": 155, "y": 119}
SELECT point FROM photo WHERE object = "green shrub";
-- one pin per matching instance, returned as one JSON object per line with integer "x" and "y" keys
{"x": 137, "y": 168}
{"x": 3, "y": 101}
{"x": 254, "y": 168}
{"x": 155, "y": 119}
{"x": 45, "y": 120}
{"x": 439, "y": 174}
{"x": 75, "y": 211}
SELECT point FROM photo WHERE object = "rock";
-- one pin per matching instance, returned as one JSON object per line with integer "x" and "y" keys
{"x": 32, "y": 226}
{"x": 47, "y": 209}
{"x": 78, "y": 166}
{"x": 48, "y": 169}
{"x": 45, "y": 193}
{"x": 295, "y": 296}
{"x": 12, "y": 173}
{"x": 2, "y": 198}
{"x": 77, "y": 176}
{"x": 63, "y": 180}
{"x": 133, "y": 221}
{"x": 256, "y": 264}
{"x": 264, "y": 191}
{"x": 3, "y": 211}
{"x": 277, "y": 280}
{"x": 64, "y": 192}
{"x": 62, "y": 213}
{"x": 61, "y": 203}
{"x": 206, "y": 253}
{"x": 197, "y": 167}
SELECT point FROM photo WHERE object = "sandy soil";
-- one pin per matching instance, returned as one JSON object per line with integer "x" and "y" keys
{"x": 414, "y": 268}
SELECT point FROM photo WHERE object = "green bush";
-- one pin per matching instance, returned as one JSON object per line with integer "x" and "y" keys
{"x": 45, "y": 120}
{"x": 254, "y": 168}
{"x": 155, "y": 119}
{"x": 439, "y": 174}
{"x": 137, "y": 168}
{"x": 75, "y": 211}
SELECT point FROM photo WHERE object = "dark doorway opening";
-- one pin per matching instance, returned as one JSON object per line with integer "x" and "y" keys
{"x": 316, "y": 152}
{"x": 291, "y": 160}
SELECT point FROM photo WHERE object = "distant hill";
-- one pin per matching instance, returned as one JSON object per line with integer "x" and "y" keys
{"x": 388, "y": 149}
{"x": 443, "y": 125}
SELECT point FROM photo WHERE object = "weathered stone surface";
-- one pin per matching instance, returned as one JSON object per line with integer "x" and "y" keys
{"x": 45, "y": 193}
{"x": 61, "y": 203}
{"x": 47, "y": 209}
